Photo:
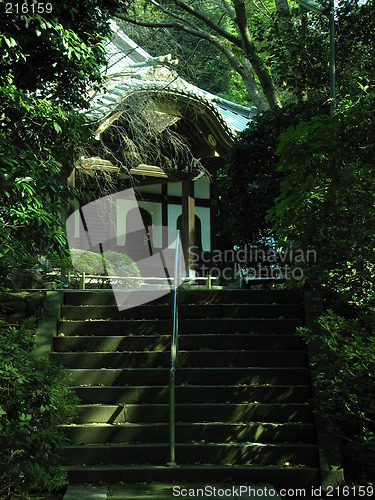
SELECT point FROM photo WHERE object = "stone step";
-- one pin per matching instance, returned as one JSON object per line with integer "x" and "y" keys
{"x": 288, "y": 477}
{"x": 204, "y": 453}
{"x": 106, "y": 297}
{"x": 214, "y": 358}
{"x": 147, "y": 311}
{"x": 242, "y": 388}
{"x": 240, "y": 296}
{"x": 185, "y": 311}
{"x": 214, "y": 432}
{"x": 163, "y": 326}
{"x": 227, "y": 412}
{"x": 194, "y": 394}
{"x": 192, "y": 376}
{"x": 185, "y": 342}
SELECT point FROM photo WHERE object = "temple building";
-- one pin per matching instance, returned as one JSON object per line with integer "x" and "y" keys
{"x": 163, "y": 137}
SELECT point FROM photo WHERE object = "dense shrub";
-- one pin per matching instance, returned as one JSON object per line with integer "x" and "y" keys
{"x": 33, "y": 403}
{"x": 87, "y": 262}
{"x": 326, "y": 202}
{"x": 327, "y": 205}
{"x": 344, "y": 377}
{"x": 249, "y": 182}
{"x": 109, "y": 264}
{"x": 125, "y": 267}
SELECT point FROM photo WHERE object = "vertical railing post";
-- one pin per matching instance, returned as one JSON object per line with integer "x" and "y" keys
{"x": 83, "y": 281}
{"x": 174, "y": 357}
{"x": 172, "y": 439}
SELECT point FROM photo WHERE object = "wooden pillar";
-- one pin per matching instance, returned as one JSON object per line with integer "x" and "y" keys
{"x": 111, "y": 219}
{"x": 188, "y": 223}
{"x": 164, "y": 214}
{"x": 213, "y": 209}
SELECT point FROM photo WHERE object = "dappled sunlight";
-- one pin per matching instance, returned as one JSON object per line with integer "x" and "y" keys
{"x": 242, "y": 386}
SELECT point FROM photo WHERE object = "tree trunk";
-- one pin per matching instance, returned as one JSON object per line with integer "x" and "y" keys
{"x": 251, "y": 59}
{"x": 247, "y": 75}
{"x": 283, "y": 10}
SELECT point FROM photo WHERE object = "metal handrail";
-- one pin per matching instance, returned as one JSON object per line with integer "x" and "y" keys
{"x": 174, "y": 358}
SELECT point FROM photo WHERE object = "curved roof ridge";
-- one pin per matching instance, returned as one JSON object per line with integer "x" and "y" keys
{"x": 158, "y": 88}
{"x": 130, "y": 66}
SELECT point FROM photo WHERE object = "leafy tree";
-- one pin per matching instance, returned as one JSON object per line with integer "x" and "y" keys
{"x": 33, "y": 404}
{"x": 47, "y": 63}
{"x": 327, "y": 198}
{"x": 355, "y": 46}
{"x": 199, "y": 62}
{"x": 344, "y": 381}
{"x": 250, "y": 181}
{"x": 56, "y": 55}
{"x": 32, "y": 193}
{"x": 278, "y": 50}
{"x": 224, "y": 24}
{"x": 295, "y": 48}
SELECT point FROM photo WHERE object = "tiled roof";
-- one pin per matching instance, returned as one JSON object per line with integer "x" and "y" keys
{"x": 130, "y": 68}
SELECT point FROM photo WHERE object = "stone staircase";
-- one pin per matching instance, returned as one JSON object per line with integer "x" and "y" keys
{"x": 243, "y": 392}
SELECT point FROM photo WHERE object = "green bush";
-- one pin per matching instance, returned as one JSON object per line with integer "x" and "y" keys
{"x": 33, "y": 404}
{"x": 249, "y": 182}
{"x": 327, "y": 197}
{"x": 87, "y": 262}
{"x": 114, "y": 263}
{"x": 123, "y": 266}
{"x": 344, "y": 377}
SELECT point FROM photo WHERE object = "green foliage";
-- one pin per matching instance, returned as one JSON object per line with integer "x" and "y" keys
{"x": 200, "y": 63}
{"x": 31, "y": 192}
{"x": 355, "y": 46}
{"x": 33, "y": 404}
{"x": 47, "y": 63}
{"x": 345, "y": 382}
{"x": 113, "y": 263}
{"x": 123, "y": 266}
{"x": 87, "y": 262}
{"x": 250, "y": 182}
{"x": 296, "y": 49}
{"x": 57, "y": 55}
{"x": 327, "y": 200}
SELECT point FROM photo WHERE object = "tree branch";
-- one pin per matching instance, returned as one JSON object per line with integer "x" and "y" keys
{"x": 229, "y": 8}
{"x": 170, "y": 13}
{"x": 251, "y": 63}
{"x": 249, "y": 49}
{"x": 224, "y": 49}
{"x": 208, "y": 22}
{"x": 150, "y": 24}
{"x": 244, "y": 71}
